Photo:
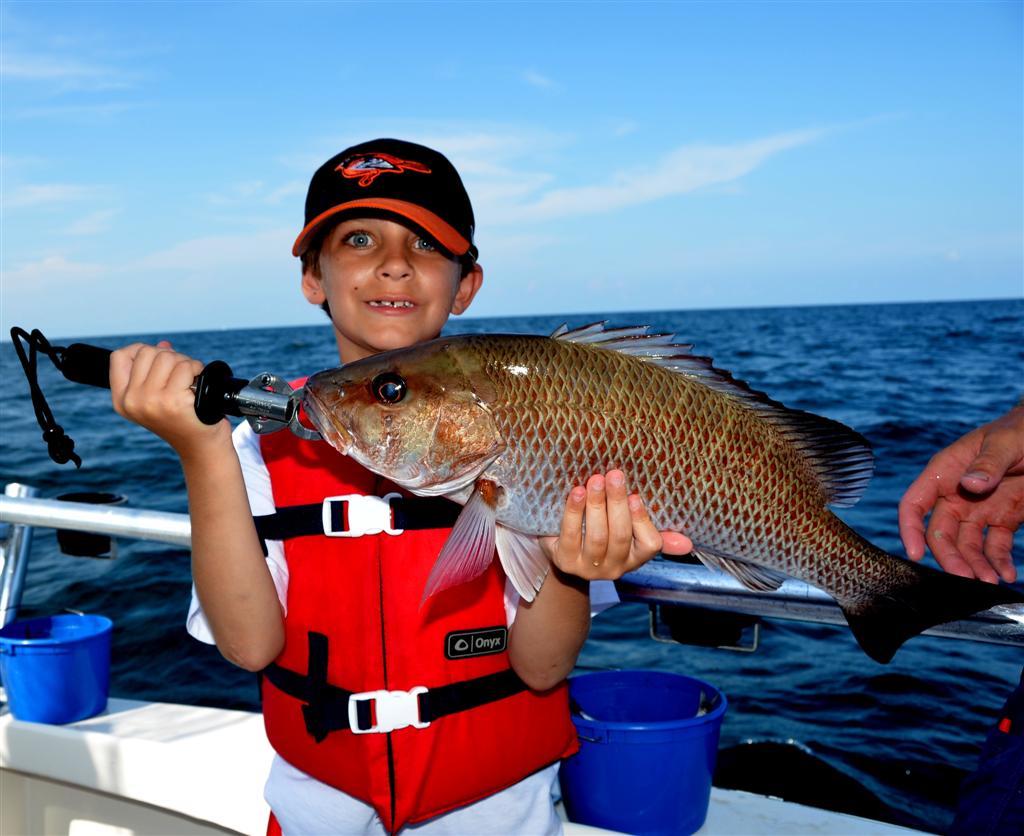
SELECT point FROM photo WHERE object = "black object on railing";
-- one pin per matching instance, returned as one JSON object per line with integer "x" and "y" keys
{"x": 84, "y": 543}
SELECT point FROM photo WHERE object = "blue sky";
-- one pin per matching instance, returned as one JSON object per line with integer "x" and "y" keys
{"x": 620, "y": 156}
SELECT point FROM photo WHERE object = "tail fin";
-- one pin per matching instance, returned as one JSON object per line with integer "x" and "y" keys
{"x": 923, "y": 598}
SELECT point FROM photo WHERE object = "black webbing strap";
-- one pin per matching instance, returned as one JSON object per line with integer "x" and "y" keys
{"x": 409, "y": 513}
{"x": 470, "y": 693}
{"x": 59, "y": 445}
{"x": 326, "y": 707}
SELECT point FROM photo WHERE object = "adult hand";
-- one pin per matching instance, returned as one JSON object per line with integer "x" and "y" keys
{"x": 974, "y": 491}
{"x": 618, "y": 535}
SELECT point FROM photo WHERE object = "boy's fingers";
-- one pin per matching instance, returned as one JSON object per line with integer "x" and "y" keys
{"x": 120, "y": 368}
{"x": 183, "y": 374}
{"x": 673, "y": 542}
{"x": 644, "y": 536}
{"x": 570, "y": 533}
{"x": 595, "y": 543}
{"x": 619, "y": 516}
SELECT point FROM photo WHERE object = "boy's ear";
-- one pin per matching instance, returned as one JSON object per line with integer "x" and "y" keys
{"x": 312, "y": 288}
{"x": 469, "y": 286}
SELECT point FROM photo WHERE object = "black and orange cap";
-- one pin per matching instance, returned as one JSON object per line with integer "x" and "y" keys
{"x": 392, "y": 177}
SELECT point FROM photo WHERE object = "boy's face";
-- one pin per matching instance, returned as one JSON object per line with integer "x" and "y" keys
{"x": 386, "y": 286}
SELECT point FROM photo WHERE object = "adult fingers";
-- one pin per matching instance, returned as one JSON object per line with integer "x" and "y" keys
{"x": 1001, "y": 448}
{"x": 941, "y": 536}
{"x": 969, "y": 540}
{"x": 918, "y": 500}
{"x": 999, "y": 551}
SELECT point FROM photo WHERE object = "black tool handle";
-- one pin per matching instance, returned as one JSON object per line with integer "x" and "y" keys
{"x": 215, "y": 387}
{"x": 88, "y": 364}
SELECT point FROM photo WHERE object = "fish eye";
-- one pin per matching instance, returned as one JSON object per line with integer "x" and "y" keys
{"x": 388, "y": 387}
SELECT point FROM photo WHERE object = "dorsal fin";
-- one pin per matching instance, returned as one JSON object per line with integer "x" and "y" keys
{"x": 840, "y": 457}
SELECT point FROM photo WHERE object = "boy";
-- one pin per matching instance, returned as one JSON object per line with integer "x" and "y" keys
{"x": 383, "y": 713}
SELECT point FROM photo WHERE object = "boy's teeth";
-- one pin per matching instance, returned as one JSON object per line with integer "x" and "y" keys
{"x": 385, "y": 303}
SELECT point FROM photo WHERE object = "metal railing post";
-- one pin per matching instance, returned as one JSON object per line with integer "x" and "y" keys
{"x": 15, "y": 548}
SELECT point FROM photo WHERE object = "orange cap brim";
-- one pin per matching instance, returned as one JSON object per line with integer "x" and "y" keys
{"x": 445, "y": 234}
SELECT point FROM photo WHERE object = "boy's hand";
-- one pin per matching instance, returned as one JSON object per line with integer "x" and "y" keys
{"x": 620, "y": 536}
{"x": 150, "y": 386}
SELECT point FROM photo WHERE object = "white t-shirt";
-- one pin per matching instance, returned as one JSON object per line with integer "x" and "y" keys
{"x": 305, "y": 806}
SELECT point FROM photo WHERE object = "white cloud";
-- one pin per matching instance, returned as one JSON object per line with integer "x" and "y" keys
{"x": 232, "y": 251}
{"x": 80, "y": 111}
{"x": 686, "y": 169}
{"x": 67, "y": 73}
{"x": 49, "y": 270}
{"x": 50, "y": 193}
{"x": 242, "y": 192}
{"x": 92, "y": 224}
{"x": 536, "y": 79}
{"x": 285, "y": 191}
{"x": 253, "y": 192}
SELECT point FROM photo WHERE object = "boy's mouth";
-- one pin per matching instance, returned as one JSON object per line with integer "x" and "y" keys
{"x": 391, "y": 303}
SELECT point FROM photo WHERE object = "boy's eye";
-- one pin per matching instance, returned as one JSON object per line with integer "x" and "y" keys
{"x": 358, "y": 239}
{"x": 424, "y": 244}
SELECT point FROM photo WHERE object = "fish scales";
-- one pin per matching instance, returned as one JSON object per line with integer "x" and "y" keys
{"x": 508, "y": 424}
{"x": 581, "y": 410}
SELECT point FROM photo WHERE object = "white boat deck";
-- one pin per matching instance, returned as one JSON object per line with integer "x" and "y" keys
{"x": 161, "y": 769}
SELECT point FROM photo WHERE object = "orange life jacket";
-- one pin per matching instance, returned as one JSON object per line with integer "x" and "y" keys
{"x": 356, "y": 623}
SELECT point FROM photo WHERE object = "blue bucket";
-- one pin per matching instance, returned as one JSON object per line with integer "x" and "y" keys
{"x": 56, "y": 669}
{"x": 648, "y": 743}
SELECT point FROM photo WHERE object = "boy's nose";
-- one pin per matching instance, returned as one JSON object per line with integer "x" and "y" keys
{"x": 394, "y": 265}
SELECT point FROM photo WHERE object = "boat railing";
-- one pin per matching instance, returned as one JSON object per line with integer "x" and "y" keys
{"x": 660, "y": 583}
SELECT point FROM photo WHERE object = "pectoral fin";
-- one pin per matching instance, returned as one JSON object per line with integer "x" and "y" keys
{"x": 523, "y": 560}
{"x": 469, "y": 549}
{"x": 750, "y": 575}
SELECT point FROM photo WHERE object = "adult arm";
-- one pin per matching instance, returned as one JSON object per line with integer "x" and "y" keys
{"x": 150, "y": 386}
{"x": 974, "y": 491}
{"x": 548, "y": 633}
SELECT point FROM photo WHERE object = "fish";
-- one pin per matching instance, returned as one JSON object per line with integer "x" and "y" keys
{"x": 507, "y": 424}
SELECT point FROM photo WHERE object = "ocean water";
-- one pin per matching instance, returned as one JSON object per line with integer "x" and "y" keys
{"x": 910, "y": 377}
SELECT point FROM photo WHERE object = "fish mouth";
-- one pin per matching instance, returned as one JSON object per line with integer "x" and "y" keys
{"x": 325, "y": 422}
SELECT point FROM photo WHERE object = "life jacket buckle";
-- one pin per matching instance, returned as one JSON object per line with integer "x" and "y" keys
{"x": 365, "y": 515}
{"x": 392, "y": 710}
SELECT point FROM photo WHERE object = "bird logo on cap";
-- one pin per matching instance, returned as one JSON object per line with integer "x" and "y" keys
{"x": 367, "y": 167}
